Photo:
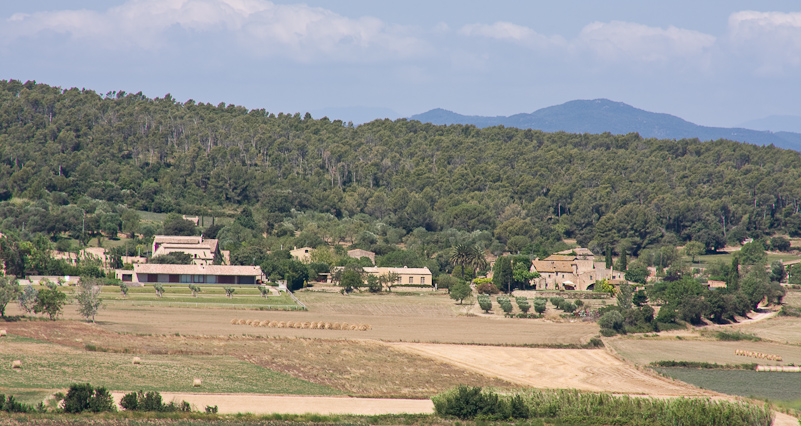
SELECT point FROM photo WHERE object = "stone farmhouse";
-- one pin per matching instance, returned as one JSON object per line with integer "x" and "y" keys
{"x": 359, "y": 253}
{"x": 151, "y": 273}
{"x": 574, "y": 269}
{"x": 302, "y": 254}
{"x": 203, "y": 251}
{"x": 417, "y": 276}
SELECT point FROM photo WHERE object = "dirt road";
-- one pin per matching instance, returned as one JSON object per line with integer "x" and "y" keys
{"x": 281, "y": 404}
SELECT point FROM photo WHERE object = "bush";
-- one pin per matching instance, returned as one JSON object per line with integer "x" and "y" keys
{"x": 539, "y": 306}
{"x": 667, "y": 314}
{"x": 487, "y": 288}
{"x": 567, "y": 307}
{"x": 471, "y": 402}
{"x": 612, "y": 320}
{"x": 484, "y": 303}
{"x": 10, "y": 405}
{"x": 151, "y": 401}
{"x": 83, "y": 397}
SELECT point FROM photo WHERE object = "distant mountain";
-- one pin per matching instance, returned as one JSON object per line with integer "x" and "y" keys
{"x": 603, "y": 115}
{"x": 775, "y": 123}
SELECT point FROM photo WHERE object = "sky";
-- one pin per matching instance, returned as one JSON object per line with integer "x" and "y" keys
{"x": 715, "y": 62}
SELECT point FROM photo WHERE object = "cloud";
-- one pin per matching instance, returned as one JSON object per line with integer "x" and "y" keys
{"x": 507, "y": 31}
{"x": 258, "y": 26}
{"x": 773, "y": 39}
{"x": 617, "y": 40}
{"x": 607, "y": 41}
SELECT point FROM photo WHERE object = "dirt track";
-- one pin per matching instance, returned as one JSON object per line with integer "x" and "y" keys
{"x": 281, "y": 404}
{"x": 591, "y": 370}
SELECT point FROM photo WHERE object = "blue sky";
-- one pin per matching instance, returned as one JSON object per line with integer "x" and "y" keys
{"x": 712, "y": 62}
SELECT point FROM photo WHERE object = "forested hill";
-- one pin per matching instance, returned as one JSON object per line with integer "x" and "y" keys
{"x": 603, "y": 115}
{"x": 62, "y": 146}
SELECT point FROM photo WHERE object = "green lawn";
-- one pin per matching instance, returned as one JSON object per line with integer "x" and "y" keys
{"x": 54, "y": 368}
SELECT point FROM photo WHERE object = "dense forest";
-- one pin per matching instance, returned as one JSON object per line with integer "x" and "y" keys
{"x": 68, "y": 152}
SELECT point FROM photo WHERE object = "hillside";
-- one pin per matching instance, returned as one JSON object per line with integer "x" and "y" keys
{"x": 602, "y": 115}
{"x": 68, "y": 153}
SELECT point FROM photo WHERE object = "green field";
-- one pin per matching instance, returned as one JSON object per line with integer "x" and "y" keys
{"x": 774, "y": 386}
{"x": 49, "y": 366}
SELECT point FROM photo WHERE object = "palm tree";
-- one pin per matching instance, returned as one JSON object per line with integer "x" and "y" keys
{"x": 461, "y": 256}
{"x": 477, "y": 260}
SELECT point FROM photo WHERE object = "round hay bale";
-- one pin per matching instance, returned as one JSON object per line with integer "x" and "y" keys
{"x": 290, "y": 324}
{"x": 137, "y": 360}
{"x": 264, "y": 323}
{"x": 281, "y": 324}
{"x": 353, "y": 327}
{"x": 345, "y": 326}
{"x": 305, "y": 325}
{"x": 369, "y": 327}
{"x": 241, "y": 322}
{"x": 273, "y": 324}
{"x": 327, "y": 326}
{"x": 336, "y": 326}
{"x": 234, "y": 321}
{"x": 196, "y": 383}
{"x": 248, "y": 322}
{"x": 298, "y": 324}
{"x": 255, "y": 323}
{"x": 760, "y": 368}
{"x": 16, "y": 364}
{"x": 3, "y": 333}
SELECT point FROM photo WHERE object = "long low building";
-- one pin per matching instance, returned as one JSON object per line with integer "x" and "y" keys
{"x": 149, "y": 273}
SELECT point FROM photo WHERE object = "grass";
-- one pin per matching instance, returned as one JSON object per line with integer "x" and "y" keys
{"x": 51, "y": 367}
{"x": 774, "y": 386}
{"x": 737, "y": 335}
{"x": 703, "y": 365}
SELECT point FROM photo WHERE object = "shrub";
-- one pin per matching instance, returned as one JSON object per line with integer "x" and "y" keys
{"x": 611, "y": 320}
{"x": 151, "y": 401}
{"x": 195, "y": 289}
{"x": 471, "y": 402}
{"x": 578, "y": 303}
{"x": 733, "y": 336}
{"x": 487, "y": 288}
{"x": 83, "y": 397}
{"x": 229, "y": 292}
{"x": 567, "y": 307}
{"x": 539, "y": 306}
{"x": 159, "y": 289}
{"x": 10, "y": 405}
{"x": 523, "y": 305}
{"x": 484, "y": 302}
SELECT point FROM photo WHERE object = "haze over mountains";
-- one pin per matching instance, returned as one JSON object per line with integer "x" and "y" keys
{"x": 603, "y": 115}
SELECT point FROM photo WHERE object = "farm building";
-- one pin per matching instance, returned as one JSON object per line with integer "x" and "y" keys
{"x": 302, "y": 254}
{"x": 359, "y": 253}
{"x": 574, "y": 269}
{"x": 201, "y": 250}
{"x": 418, "y": 276}
{"x": 198, "y": 274}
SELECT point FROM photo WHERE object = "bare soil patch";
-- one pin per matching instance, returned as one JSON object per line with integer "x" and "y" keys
{"x": 590, "y": 370}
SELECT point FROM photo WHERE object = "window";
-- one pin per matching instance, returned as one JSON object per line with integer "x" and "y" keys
{"x": 127, "y": 277}
{"x": 422, "y": 280}
{"x": 399, "y": 280}
{"x": 200, "y": 278}
{"x": 226, "y": 279}
{"x": 173, "y": 278}
{"x": 411, "y": 280}
{"x": 152, "y": 278}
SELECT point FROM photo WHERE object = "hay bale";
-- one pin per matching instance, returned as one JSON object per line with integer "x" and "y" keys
{"x": 327, "y": 326}
{"x": 305, "y": 325}
{"x": 248, "y": 322}
{"x": 281, "y": 324}
{"x": 336, "y": 326}
{"x": 345, "y": 326}
{"x": 362, "y": 327}
{"x": 3, "y": 333}
{"x": 353, "y": 327}
{"x": 255, "y": 323}
{"x": 137, "y": 360}
{"x": 290, "y": 324}
{"x": 241, "y": 322}
{"x": 234, "y": 321}
{"x": 272, "y": 324}
{"x": 264, "y": 323}
{"x": 196, "y": 383}
{"x": 369, "y": 327}
{"x": 298, "y": 324}
{"x": 16, "y": 364}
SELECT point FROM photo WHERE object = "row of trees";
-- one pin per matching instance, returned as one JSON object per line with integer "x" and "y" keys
{"x": 50, "y": 300}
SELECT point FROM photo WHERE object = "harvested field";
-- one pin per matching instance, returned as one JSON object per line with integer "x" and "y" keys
{"x": 777, "y": 329}
{"x": 386, "y": 326}
{"x": 365, "y": 368}
{"x": 590, "y": 370}
{"x": 644, "y": 351}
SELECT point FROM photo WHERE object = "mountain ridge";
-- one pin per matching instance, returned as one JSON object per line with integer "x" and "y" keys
{"x": 603, "y": 115}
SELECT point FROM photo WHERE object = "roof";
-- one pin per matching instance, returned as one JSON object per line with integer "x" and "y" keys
{"x": 552, "y": 266}
{"x": 360, "y": 251}
{"x": 154, "y": 268}
{"x": 560, "y": 258}
{"x": 403, "y": 270}
{"x": 179, "y": 239}
{"x": 580, "y": 251}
